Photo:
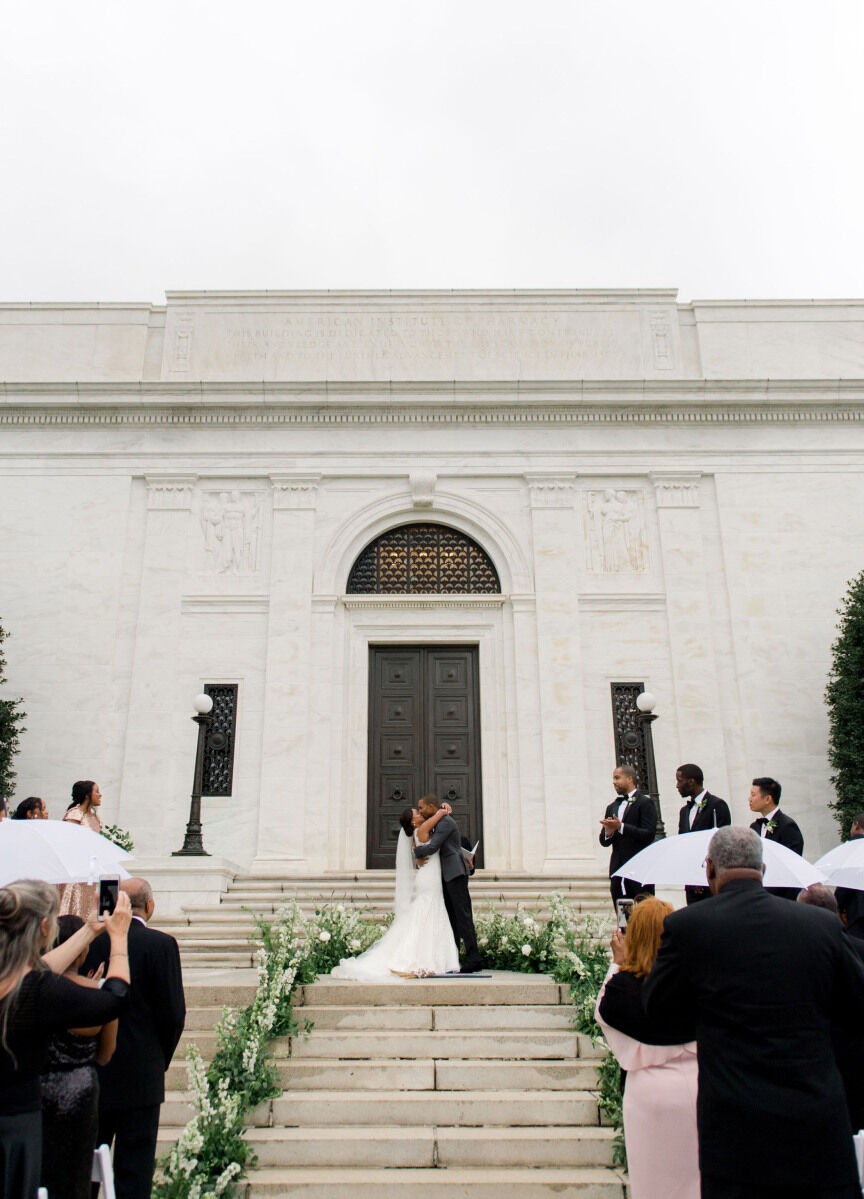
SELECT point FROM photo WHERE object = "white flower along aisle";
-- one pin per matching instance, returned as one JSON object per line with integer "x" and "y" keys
{"x": 211, "y": 1155}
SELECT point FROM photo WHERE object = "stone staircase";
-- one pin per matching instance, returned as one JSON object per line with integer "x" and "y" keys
{"x": 444, "y": 1088}
{"x": 218, "y": 935}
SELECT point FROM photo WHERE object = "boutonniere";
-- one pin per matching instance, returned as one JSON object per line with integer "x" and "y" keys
{"x": 700, "y": 804}
{"x": 770, "y": 827}
{"x": 632, "y": 798}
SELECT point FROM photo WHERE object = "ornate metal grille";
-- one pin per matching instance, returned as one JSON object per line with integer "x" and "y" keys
{"x": 630, "y": 744}
{"x": 218, "y": 774}
{"x": 423, "y": 559}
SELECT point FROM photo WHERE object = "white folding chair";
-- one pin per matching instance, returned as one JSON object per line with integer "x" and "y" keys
{"x": 103, "y": 1171}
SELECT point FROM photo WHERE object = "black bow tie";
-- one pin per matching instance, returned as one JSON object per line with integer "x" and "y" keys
{"x": 690, "y": 803}
{"x": 763, "y": 820}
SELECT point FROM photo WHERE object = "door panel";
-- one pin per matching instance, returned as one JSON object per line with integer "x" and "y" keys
{"x": 424, "y": 735}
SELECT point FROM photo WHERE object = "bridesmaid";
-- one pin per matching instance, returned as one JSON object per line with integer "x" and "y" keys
{"x": 70, "y": 1091}
{"x": 660, "y": 1089}
{"x": 80, "y": 899}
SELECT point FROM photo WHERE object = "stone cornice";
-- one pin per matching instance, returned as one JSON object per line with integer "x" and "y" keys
{"x": 577, "y": 402}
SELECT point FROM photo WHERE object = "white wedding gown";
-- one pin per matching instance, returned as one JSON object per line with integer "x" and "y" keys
{"x": 420, "y": 939}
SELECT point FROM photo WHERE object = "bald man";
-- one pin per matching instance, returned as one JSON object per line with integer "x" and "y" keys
{"x": 132, "y": 1085}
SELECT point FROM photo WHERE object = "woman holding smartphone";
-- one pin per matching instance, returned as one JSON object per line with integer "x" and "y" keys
{"x": 35, "y": 1003}
{"x": 660, "y": 1088}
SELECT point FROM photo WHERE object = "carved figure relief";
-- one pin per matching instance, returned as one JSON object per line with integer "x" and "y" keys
{"x": 231, "y": 523}
{"x": 615, "y": 532}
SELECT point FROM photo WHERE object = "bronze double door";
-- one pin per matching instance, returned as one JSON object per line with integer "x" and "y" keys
{"x": 424, "y": 736}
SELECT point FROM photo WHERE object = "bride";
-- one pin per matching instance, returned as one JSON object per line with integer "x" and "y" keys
{"x": 420, "y": 939}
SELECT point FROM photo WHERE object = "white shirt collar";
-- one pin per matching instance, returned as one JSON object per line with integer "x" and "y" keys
{"x": 140, "y": 919}
{"x": 698, "y": 798}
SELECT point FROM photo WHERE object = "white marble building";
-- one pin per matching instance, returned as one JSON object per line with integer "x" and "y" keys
{"x": 670, "y": 494}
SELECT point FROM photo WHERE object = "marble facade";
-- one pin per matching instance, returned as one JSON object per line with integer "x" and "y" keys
{"x": 671, "y": 493}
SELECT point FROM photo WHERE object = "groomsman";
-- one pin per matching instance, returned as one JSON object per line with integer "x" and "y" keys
{"x": 628, "y": 826}
{"x": 702, "y": 810}
{"x": 774, "y": 825}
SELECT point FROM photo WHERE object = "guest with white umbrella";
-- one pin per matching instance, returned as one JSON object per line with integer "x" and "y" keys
{"x": 681, "y": 861}
{"x": 55, "y": 852}
{"x": 844, "y": 869}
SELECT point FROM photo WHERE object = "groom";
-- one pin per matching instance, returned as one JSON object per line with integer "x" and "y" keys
{"x": 454, "y": 875}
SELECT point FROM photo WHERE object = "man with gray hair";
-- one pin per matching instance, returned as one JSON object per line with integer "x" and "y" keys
{"x": 757, "y": 982}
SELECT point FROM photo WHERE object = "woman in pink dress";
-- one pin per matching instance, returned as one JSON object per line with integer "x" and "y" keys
{"x": 80, "y": 899}
{"x": 660, "y": 1088}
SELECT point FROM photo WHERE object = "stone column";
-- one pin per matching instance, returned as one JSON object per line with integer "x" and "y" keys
{"x": 691, "y": 640}
{"x": 155, "y": 708}
{"x": 288, "y": 686}
{"x": 559, "y": 656}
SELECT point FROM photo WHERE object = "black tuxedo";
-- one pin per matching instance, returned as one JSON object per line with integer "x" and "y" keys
{"x": 638, "y": 826}
{"x": 714, "y": 813}
{"x": 758, "y": 983}
{"x": 851, "y": 904}
{"x": 785, "y": 833}
{"x": 132, "y": 1085}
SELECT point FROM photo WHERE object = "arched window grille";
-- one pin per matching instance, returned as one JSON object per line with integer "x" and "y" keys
{"x": 423, "y": 559}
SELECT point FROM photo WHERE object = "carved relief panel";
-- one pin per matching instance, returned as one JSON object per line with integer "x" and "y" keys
{"x": 231, "y": 519}
{"x": 615, "y": 533}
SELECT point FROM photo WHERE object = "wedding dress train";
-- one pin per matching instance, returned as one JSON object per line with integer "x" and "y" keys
{"x": 420, "y": 939}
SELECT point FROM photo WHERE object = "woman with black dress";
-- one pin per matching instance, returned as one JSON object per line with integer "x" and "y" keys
{"x": 36, "y": 1003}
{"x": 70, "y": 1091}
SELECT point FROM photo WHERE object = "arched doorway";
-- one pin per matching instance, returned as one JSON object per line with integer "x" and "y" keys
{"x": 424, "y": 700}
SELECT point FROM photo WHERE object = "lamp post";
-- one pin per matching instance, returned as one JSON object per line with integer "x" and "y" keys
{"x": 645, "y": 714}
{"x": 193, "y": 846}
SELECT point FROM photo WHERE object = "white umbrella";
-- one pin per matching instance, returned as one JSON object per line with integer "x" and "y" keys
{"x": 56, "y": 851}
{"x": 843, "y": 866}
{"x": 680, "y": 860}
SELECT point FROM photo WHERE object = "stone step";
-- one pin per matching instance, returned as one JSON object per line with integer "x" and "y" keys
{"x": 512, "y": 1016}
{"x": 392, "y": 1147}
{"x": 420, "y": 1074}
{"x": 571, "y": 1182}
{"x": 458, "y": 991}
{"x": 470, "y": 1044}
{"x": 397, "y": 1108}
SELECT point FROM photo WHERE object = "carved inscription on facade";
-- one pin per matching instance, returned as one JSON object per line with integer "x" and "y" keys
{"x": 615, "y": 531}
{"x": 231, "y": 525}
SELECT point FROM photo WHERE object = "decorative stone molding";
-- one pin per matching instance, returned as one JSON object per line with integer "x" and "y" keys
{"x": 551, "y": 491}
{"x": 422, "y": 484}
{"x": 219, "y": 605}
{"x": 615, "y": 539}
{"x": 680, "y": 490}
{"x": 424, "y": 601}
{"x": 170, "y": 492}
{"x": 294, "y": 491}
{"x": 620, "y": 602}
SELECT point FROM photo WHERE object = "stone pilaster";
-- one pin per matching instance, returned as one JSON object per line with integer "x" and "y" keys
{"x": 288, "y": 686}
{"x": 559, "y": 653}
{"x": 691, "y": 640}
{"x": 155, "y": 707}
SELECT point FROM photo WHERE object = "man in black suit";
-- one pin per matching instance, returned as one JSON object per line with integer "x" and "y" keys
{"x": 447, "y": 841}
{"x": 850, "y": 903}
{"x": 774, "y": 825}
{"x": 702, "y": 810}
{"x": 628, "y": 826}
{"x": 758, "y": 983}
{"x": 132, "y": 1085}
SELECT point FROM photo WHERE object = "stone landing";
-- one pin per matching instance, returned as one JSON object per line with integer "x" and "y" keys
{"x": 445, "y": 1088}
{"x": 216, "y": 935}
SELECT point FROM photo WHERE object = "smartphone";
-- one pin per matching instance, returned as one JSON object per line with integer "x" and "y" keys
{"x": 109, "y": 889}
{"x": 625, "y": 907}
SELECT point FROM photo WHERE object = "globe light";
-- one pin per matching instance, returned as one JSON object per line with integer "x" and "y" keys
{"x": 645, "y": 701}
{"x": 203, "y": 704}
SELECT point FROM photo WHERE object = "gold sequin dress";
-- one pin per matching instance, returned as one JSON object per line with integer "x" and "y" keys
{"x": 80, "y": 899}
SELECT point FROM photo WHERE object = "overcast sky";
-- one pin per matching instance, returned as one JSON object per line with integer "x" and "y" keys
{"x": 711, "y": 146}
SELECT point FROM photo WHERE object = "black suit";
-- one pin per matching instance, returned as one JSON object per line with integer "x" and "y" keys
{"x": 714, "y": 813}
{"x": 786, "y": 832}
{"x": 132, "y": 1085}
{"x": 850, "y": 903}
{"x": 758, "y": 982}
{"x": 638, "y": 826}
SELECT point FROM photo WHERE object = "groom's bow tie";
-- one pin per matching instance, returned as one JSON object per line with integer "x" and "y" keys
{"x": 690, "y": 802}
{"x": 763, "y": 820}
